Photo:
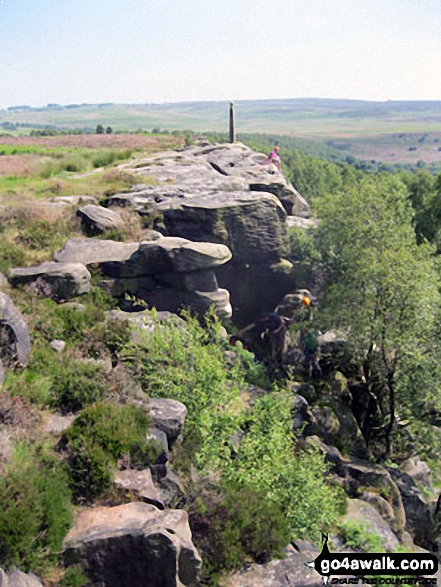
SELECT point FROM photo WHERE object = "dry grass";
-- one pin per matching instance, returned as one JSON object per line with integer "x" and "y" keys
{"x": 18, "y": 164}
{"x": 112, "y": 141}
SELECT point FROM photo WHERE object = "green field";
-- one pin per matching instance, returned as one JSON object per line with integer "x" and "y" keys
{"x": 394, "y": 132}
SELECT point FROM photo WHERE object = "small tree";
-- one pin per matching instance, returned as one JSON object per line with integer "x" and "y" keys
{"x": 99, "y": 129}
{"x": 380, "y": 287}
{"x": 109, "y": 130}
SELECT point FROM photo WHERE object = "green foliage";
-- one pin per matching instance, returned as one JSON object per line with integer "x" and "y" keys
{"x": 36, "y": 513}
{"x": 359, "y": 537}
{"x": 252, "y": 450}
{"x": 102, "y": 434}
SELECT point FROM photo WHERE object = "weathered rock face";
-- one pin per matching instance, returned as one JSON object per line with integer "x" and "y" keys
{"x": 419, "y": 509}
{"x": 98, "y": 219}
{"x": 361, "y": 478}
{"x": 167, "y": 415}
{"x": 15, "y": 343}
{"x": 62, "y": 280}
{"x": 134, "y": 544}
{"x": 251, "y": 225}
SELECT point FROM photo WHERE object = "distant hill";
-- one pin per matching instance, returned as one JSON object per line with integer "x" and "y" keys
{"x": 392, "y": 131}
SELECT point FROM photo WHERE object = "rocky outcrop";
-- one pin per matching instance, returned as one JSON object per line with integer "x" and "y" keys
{"x": 15, "y": 343}
{"x": 224, "y": 167}
{"x": 294, "y": 570}
{"x": 98, "y": 219}
{"x": 222, "y": 194}
{"x": 361, "y": 478}
{"x": 134, "y": 544}
{"x": 62, "y": 281}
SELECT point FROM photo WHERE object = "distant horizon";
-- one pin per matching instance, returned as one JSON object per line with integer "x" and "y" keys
{"x": 215, "y": 101}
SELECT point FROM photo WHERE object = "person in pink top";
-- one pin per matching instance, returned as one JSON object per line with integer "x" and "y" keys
{"x": 273, "y": 158}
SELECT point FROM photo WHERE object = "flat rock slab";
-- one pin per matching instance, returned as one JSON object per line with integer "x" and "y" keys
{"x": 90, "y": 251}
{"x": 134, "y": 544}
{"x": 98, "y": 218}
{"x": 15, "y": 343}
{"x": 63, "y": 281}
{"x": 77, "y": 200}
{"x": 146, "y": 258}
{"x": 290, "y": 571}
{"x": 55, "y": 424}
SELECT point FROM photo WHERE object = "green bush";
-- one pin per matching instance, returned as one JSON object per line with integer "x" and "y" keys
{"x": 100, "y": 436}
{"x": 74, "y": 577}
{"x": 35, "y": 512}
{"x": 233, "y": 524}
{"x": 10, "y": 256}
{"x": 57, "y": 380}
{"x": 104, "y": 158}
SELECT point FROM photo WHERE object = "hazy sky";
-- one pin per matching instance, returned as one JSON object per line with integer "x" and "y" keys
{"x": 70, "y": 51}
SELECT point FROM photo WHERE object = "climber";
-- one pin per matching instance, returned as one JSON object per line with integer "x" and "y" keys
{"x": 273, "y": 158}
{"x": 273, "y": 327}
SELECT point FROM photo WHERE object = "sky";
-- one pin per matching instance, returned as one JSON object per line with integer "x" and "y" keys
{"x": 145, "y": 51}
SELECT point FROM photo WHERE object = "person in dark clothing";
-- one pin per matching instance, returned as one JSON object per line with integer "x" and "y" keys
{"x": 274, "y": 328}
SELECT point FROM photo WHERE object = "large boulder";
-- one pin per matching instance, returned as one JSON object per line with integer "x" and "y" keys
{"x": 365, "y": 514}
{"x": 134, "y": 544}
{"x": 98, "y": 219}
{"x": 223, "y": 167}
{"x": 16, "y": 578}
{"x": 139, "y": 483}
{"x": 59, "y": 280}
{"x": 15, "y": 343}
